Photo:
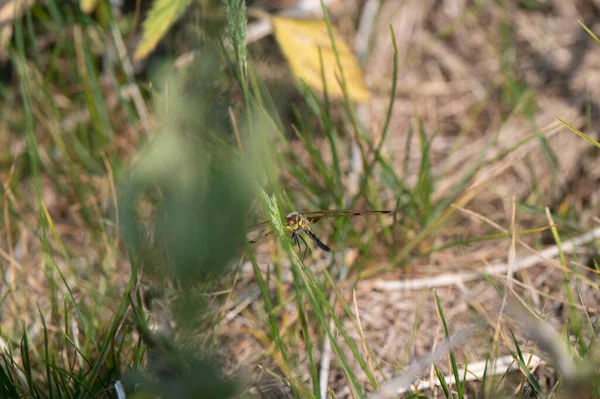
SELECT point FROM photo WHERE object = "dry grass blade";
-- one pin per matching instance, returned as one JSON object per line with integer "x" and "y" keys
{"x": 579, "y": 133}
{"x": 403, "y": 382}
{"x": 546, "y": 337}
{"x": 497, "y": 269}
{"x": 477, "y": 371}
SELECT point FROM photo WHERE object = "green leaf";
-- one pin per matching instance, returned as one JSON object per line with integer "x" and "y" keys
{"x": 161, "y": 17}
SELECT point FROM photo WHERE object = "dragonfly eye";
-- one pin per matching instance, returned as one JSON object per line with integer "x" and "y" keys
{"x": 291, "y": 220}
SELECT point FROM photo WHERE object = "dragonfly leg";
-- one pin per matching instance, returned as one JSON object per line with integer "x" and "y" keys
{"x": 296, "y": 240}
{"x": 305, "y": 247}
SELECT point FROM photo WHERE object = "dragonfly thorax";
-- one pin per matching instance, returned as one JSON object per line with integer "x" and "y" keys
{"x": 295, "y": 221}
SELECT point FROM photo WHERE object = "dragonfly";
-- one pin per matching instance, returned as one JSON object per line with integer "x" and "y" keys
{"x": 297, "y": 223}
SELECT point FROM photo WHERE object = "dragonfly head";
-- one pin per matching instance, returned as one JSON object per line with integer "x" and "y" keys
{"x": 294, "y": 221}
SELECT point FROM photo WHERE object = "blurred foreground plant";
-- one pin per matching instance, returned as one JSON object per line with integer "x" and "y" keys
{"x": 182, "y": 210}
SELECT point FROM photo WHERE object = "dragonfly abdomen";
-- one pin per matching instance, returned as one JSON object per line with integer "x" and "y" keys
{"x": 316, "y": 240}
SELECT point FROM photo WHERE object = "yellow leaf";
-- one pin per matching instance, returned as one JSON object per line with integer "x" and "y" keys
{"x": 300, "y": 40}
{"x": 11, "y": 9}
{"x": 88, "y": 6}
{"x": 564, "y": 206}
{"x": 160, "y": 18}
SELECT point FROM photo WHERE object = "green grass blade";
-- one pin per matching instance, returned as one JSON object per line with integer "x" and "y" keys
{"x": 443, "y": 383}
{"x": 8, "y": 386}
{"x": 574, "y": 317}
{"x": 27, "y": 366}
{"x": 105, "y": 346}
{"x": 518, "y": 356}
{"x": 386, "y": 127}
{"x": 453, "y": 364}
{"x": 50, "y": 387}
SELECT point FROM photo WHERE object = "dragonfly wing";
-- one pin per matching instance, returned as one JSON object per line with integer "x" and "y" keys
{"x": 314, "y": 217}
{"x": 261, "y": 237}
{"x": 257, "y": 226}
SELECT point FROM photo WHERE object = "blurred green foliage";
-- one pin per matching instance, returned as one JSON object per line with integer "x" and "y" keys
{"x": 182, "y": 210}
